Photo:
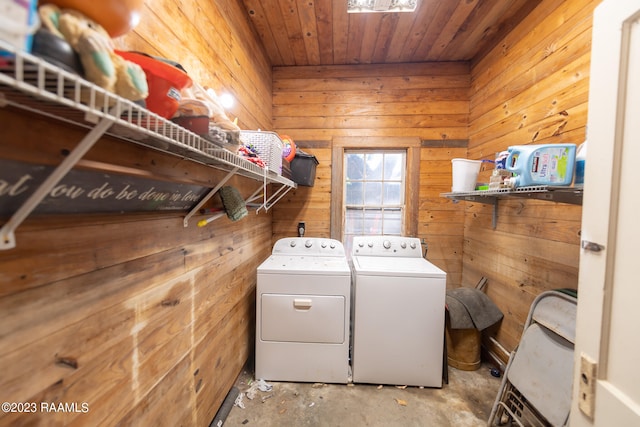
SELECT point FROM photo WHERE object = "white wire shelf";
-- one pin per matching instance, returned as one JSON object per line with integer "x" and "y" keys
{"x": 570, "y": 195}
{"x": 31, "y": 84}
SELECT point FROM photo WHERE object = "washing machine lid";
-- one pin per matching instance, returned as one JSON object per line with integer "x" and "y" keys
{"x": 396, "y": 266}
{"x": 318, "y": 265}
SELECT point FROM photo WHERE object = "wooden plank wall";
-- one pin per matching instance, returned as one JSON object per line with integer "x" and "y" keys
{"x": 145, "y": 321}
{"x": 531, "y": 88}
{"x": 317, "y": 104}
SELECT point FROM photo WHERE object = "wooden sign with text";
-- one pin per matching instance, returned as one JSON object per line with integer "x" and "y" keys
{"x": 86, "y": 191}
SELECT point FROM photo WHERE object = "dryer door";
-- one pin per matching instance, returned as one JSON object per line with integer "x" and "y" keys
{"x": 303, "y": 318}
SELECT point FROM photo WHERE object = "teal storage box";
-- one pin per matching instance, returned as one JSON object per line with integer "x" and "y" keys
{"x": 303, "y": 168}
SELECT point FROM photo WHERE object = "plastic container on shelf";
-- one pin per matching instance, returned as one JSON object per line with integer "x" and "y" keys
{"x": 545, "y": 164}
{"x": 303, "y": 168}
{"x": 18, "y": 22}
{"x": 268, "y": 145}
{"x": 165, "y": 83}
{"x": 581, "y": 158}
{"x": 500, "y": 175}
{"x": 289, "y": 148}
{"x": 465, "y": 174}
{"x": 117, "y": 17}
{"x": 499, "y": 179}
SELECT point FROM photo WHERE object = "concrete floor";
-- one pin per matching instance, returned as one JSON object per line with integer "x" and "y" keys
{"x": 465, "y": 401}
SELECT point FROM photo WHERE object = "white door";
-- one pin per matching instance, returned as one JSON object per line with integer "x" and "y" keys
{"x": 607, "y": 374}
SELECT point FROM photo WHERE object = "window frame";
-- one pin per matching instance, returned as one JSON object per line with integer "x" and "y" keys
{"x": 410, "y": 144}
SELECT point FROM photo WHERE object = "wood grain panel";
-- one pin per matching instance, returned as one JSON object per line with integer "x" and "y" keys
{"x": 307, "y": 204}
{"x": 324, "y": 24}
{"x": 271, "y": 37}
{"x": 441, "y": 223}
{"x": 437, "y": 30}
{"x": 372, "y": 71}
{"x": 371, "y": 100}
{"x": 443, "y": 133}
{"x": 530, "y": 59}
{"x": 292, "y": 26}
{"x": 373, "y": 83}
{"x": 533, "y": 89}
{"x": 369, "y": 106}
{"x": 216, "y": 45}
{"x": 134, "y": 313}
{"x": 360, "y": 97}
{"x": 135, "y": 337}
{"x": 479, "y": 25}
{"x": 340, "y": 19}
{"x": 451, "y": 27}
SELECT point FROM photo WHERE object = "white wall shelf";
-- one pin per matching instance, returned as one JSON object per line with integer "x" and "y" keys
{"x": 38, "y": 87}
{"x": 570, "y": 195}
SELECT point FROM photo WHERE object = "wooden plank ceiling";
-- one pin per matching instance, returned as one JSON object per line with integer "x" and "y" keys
{"x": 321, "y": 32}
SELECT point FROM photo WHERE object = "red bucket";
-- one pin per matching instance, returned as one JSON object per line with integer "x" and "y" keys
{"x": 165, "y": 83}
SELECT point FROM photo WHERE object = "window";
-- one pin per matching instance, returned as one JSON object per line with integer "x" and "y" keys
{"x": 374, "y": 193}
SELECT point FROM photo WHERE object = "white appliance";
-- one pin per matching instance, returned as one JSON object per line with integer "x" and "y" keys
{"x": 302, "y": 312}
{"x": 398, "y": 313}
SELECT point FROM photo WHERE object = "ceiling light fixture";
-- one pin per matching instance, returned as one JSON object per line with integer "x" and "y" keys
{"x": 365, "y": 6}
{"x": 227, "y": 100}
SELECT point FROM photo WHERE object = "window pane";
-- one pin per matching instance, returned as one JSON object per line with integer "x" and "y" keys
{"x": 373, "y": 221}
{"x": 393, "y": 166}
{"x": 372, "y": 193}
{"x": 353, "y": 221}
{"x": 392, "y": 221}
{"x": 355, "y": 166}
{"x": 392, "y": 195}
{"x": 354, "y": 194}
{"x": 374, "y": 166}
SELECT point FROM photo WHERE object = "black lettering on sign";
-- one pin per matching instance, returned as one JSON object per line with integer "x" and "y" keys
{"x": 86, "y": 191}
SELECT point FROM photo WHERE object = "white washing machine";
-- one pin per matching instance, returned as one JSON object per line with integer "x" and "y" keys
{"x": 302, "y": 312}
{"x": 398, "y": 313}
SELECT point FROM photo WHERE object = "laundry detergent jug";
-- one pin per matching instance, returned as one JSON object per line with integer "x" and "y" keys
{"x": 546, "y": 164}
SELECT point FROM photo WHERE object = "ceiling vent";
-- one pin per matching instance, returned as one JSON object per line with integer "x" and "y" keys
{"x": 364, "y": 6}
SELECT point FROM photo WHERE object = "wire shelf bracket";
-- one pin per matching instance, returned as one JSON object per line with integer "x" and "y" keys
{"x": 8, "y": 240}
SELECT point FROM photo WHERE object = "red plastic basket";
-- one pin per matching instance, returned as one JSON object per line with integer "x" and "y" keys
{"x": 165, "y": 83}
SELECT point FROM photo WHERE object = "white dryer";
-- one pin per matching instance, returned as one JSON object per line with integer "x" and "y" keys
{"x": 302, "y": 312}
{"x": 398, "y": 313}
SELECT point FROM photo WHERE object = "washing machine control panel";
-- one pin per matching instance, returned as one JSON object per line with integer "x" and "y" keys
{"x": 386, "y": 246}
{"x": 308, "y": 246}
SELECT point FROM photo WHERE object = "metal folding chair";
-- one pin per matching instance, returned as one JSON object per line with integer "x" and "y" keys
{"x": 536, "y": 386}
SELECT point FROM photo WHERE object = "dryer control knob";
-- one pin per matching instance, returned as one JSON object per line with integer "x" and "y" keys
{"x": 413, "y": 245}
{"x": 386, "y": 244}
{"x": 370, "y": 244}
{"x": 292, "y": 244}
{"x": 308, "y": 244}
{"x": 323, "y": 244}
{"x": 361, "y": 244}
{"x": 332, "y": 245}
{"x": 403, "y": 245}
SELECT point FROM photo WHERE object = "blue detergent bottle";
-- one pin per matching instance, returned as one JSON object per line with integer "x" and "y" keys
{"x": 545, "y": 164}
